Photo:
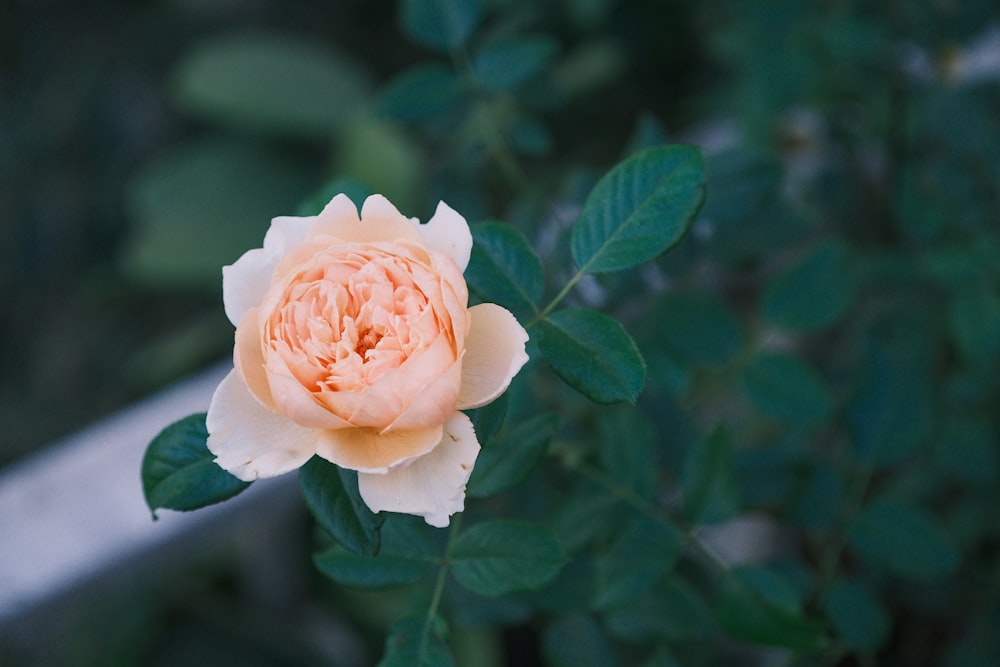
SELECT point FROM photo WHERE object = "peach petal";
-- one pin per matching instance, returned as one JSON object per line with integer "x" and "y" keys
{"x": 432, "y": 486}
{"x": 249, "y": 440}
{"x": 447, "y": 232}
{"x": 296, "y": 402}
{"x": 367, "y": 450}
{"x": 494, "y": 353}
{"x": 380, "y": 221}
{"x": 245, "y": 281}
{"x": 248, "y": 358}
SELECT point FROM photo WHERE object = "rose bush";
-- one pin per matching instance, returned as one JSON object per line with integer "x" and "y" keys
{"x": 354, "y": 341}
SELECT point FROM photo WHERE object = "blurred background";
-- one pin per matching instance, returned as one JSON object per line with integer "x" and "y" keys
{"x": 854, "y": 143}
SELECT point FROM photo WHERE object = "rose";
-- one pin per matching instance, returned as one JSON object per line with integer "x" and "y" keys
{"x": 354, "y": 341}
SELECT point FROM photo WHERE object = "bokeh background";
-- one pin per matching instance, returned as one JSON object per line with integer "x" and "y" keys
{"x": 854, "y": 149}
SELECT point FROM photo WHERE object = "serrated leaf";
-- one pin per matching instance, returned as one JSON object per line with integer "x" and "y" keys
{"x": 903, "y": 539}
{"x": 369, "y": 572}
{"x": 439, "y": 24}
{"x": 748, "y": 616}
{"x": 500, "y": 557}
{"x": 512, "y": 455}
{"x": 417, "y": 641}
{"x": 504, "y": 269}
{"x": 784, "y": 387}
{"x": 859, "y": 618}
{"x": 640, "y": 209}
{"x": 331, "y": 494}
{"x": 421, "y": 92}
{"x": 180, "y": 473}
{"x": 814, "y": 293}
{"x": 272, "y": 83}
{"x": 593, "y": 354}
{"x": 507, "y": 64}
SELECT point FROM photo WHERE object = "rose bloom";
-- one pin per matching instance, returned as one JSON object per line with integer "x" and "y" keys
{"x": 355, "y": 342}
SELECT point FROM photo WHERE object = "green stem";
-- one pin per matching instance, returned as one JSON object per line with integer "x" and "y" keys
{"x": 855, "y": 499}
{"x": 556, "y": 300}
{"x": 439, "y": 583}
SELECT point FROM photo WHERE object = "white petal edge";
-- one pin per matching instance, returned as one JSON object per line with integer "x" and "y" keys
{"x": 249, "y": 440}
{"x": 245, "y": 281}
{"x": 494, "y": 353}
{"x": 448, "y": 232}
{"x": 432, "y": 486}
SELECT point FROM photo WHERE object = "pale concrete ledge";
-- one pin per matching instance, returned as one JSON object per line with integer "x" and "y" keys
{"x": 75, "y": 510}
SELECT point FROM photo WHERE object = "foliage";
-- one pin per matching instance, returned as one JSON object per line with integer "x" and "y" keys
{"x": 791, "y": 314}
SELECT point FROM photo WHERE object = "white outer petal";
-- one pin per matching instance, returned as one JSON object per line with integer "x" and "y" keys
{"x": 494, "y": 353}
{"x": 245, "y": 281}
{"x": 447, "y": 232}
{"x": 249, "y": 440}
{"x": 432, "y": 486}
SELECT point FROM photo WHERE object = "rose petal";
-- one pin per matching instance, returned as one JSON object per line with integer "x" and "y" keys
{"x": 494, "y": 353}
{"x": 367, "y": 450}
{"x": 447, "y": 232}
{"x": 246, "y": 280}
{"x": 380, "y": 221}
{"x": 250, "y": 441}
{"x": 432, "y": 486}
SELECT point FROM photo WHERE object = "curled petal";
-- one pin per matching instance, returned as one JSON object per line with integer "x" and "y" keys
{"x": 367, "y": 450}
{"x": 246, "y": 280}
{"x": 447, "y": 232}
{"x": 432, "y": 486}
{"x": 249, "y": 440}
{"x": 494, "y": 353}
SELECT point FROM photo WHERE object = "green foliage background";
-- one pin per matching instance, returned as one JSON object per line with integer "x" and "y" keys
{"x": 818, "y": 352}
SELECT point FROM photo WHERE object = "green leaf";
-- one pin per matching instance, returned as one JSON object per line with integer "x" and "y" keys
{"x": 504, "y": 269}
{"x": 859, "y": 618}
{"x": 179, "y": 473}
{"x": 331, "y": 493}
{"x": 813, "y": 294}
{"x": 784, "y": 387}
{"x": 488, "y": 419}
{"x": 500, "y": 557}
{"x": 417, "y": 641}
{"x": 440, "y": 24}
{"x": 642, "y": 553}
{"x": 903, "y": 539}
{"x": 747, "y": 615}
{"x": 709, "y": 482}
{"x": 379, "y": 154}
{"x": 369, "y": 572}
{"x": 577, "y": 640}
{"x": 511, "y": 456}
{"x": 203, "y": 204}
{"x": 640, "y": 209}
{"x": 593, "y": 354}
{"x": 419, "y": 93}
{"x": 507, "y": 64}
{"x": 284, "y": 85}
{"x": 696, "y": 328}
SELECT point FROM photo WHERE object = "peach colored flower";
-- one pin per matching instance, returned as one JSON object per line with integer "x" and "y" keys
{"x": 355, "y": 342}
